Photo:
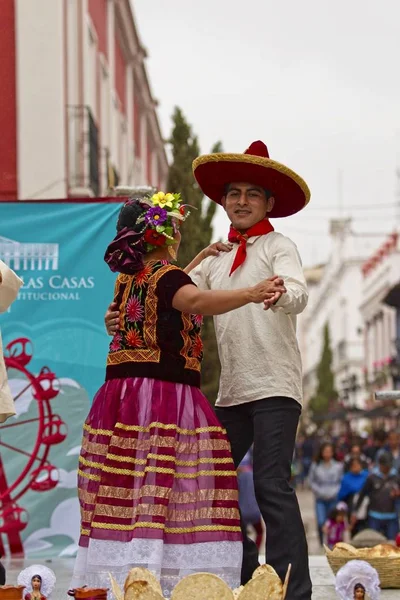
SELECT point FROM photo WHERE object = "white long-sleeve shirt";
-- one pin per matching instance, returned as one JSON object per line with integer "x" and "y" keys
{"x": 258, "y": 349}
{"x": 9, "y": 286}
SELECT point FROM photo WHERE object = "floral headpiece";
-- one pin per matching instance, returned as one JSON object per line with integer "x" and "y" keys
{"x": 145, "y": 223}
{"x": 160, "y": 225}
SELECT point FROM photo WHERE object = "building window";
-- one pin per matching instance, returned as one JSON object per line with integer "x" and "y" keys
{"x": 94, "y": 176}
{"x": 91, "y": 75}
{"x": 342, "y": 351}
{"x": 84, "y": 149}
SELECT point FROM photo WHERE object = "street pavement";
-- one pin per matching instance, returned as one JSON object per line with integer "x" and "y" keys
{"x": 321, "y": 574}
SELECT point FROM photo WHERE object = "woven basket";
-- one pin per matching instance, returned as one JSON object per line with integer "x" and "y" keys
{"x": 388, "y": 568}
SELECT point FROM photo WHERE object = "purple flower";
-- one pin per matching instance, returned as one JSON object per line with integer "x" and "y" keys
{"x": 156, "y": 215}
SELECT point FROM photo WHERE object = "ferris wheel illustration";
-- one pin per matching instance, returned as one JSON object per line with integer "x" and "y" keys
{"x": 36, "y": 473}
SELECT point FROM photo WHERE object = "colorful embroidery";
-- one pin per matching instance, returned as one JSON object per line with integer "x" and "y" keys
{"x": 134, "y": 310}
{"x": 137, "y": 339}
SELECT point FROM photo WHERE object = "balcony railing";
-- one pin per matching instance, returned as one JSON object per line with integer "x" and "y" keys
{"x": 84, "y": 150}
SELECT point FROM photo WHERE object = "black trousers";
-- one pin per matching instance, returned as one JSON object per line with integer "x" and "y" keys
{"x": 271, "y": 425}
{"x": 2, "y": 574}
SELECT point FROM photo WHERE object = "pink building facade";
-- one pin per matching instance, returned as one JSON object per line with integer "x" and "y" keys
{"x": 77, "y": 113}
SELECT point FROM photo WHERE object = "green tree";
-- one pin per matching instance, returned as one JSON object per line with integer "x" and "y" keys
{"x": 196, "y": 231}
{"x": 326, "y": 391}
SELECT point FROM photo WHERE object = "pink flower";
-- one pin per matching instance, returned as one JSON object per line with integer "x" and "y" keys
{"x": 116, "y": 343}
{"x": 134, "y": 310}
{"x": 198, "y": 320}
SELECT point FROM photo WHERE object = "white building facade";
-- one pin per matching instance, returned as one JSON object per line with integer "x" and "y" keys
{"x": 380, "y": 310}
{"x": 335, "y": 299}
{"x": 76, "y": 111}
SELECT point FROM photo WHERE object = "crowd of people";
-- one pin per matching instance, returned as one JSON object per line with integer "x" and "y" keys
{"x": 355, "y": 483}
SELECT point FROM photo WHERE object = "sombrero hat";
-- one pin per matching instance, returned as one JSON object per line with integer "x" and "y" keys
{"x": 214, "y": 171}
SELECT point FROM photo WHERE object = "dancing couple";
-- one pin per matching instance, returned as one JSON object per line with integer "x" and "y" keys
{"x": 157, "y": 471}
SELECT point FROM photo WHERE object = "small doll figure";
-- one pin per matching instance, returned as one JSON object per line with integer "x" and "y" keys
{"x": 36, "y": 585}
{"x": 336, "y": 525}
{"x": 357, "y": 580}
{"x": 39, "y": 582}
{"x": 359, "y": 592}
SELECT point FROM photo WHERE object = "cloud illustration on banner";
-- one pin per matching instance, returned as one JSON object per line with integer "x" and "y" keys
{"x": 67, "y": 479}
{"x": 64, "y": 521}
{"x": 18, "y": 385}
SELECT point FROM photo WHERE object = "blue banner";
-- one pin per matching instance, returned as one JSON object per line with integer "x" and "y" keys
{"x": 55, "y": 346}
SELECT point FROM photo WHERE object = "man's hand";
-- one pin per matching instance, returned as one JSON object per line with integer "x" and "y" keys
{"x": 216, "y": 248}
{"x": 266, "y": 290}
{"x": 111, "y": 319}
{"x": 274, "y": 297}
{"x": 353, "y": 520}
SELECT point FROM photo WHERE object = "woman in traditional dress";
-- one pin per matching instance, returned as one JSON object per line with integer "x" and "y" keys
{"x": 157, "y": 484}
{"x": 325, "y": 478}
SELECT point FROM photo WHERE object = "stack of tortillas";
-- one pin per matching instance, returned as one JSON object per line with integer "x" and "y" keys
{"x": 139, "y": 585}
{"x": 143, "y": 585}
{"x": 265, "y": 585}
{"x": 202, "y": 586}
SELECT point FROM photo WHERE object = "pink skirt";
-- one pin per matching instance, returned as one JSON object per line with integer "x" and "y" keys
{"x": 157, "y": 486}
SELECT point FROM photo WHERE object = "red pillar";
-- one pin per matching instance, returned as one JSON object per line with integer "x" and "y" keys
{"x": 8, "y": 102}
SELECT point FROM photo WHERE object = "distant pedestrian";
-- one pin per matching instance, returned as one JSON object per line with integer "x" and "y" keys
{"x": 336, "y": 525}
{"x": 356, "y": 452}
{"x": 393, "y": 448}
{"x": 325, "y": 479}
{"x": 307, "y": 453}
{"x": 352, "y": 483}
{"x": 382, "y": 488}
{"x": 378, "y": 443}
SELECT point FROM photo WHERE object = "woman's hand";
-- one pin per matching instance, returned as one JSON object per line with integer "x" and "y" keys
{"x": 111, "y": 319}
{"x": 216, "y": 248}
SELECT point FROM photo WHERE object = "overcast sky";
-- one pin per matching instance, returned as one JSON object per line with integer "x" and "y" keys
{"x": 318, "y": 81}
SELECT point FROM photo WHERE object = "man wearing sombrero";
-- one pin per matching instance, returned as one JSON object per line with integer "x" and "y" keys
{"x": 260, "y": 393}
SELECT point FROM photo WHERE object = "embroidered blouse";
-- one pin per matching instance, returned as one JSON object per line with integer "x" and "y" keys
{"x": 154, "y": 339}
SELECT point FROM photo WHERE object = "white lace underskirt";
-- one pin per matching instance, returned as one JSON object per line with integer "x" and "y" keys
{"x": 169, "y": 562}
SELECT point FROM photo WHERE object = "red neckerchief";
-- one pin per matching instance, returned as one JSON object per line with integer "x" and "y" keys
{"x": 261, "y": 228}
